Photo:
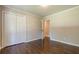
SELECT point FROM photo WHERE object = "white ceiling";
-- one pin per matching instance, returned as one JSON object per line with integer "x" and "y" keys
{"x": 42, "y": 11}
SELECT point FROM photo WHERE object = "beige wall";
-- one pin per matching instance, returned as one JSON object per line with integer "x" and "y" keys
{"x": 64, "y": 26}
{"x": 69, "y": 35}
{"x": 0, "y": 25}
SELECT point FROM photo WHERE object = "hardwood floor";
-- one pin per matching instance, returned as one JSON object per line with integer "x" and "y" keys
{"x": 35, "y": 47}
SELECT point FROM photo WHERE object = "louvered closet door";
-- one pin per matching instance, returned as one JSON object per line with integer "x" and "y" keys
{"x": 9, "y": 28}
{"x": 31, "y": 30}
{"x": 21, "y": 28}
{"x": 14, "y": 28}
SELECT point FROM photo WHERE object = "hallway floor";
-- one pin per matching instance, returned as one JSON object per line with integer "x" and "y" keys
{"x": 35, "y": 47}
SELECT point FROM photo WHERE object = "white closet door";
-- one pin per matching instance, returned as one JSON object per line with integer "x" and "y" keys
{"x": 21, "y": 28}
{"x": 14, "y": 26}
{"x": 9, "y": 28}
{"x": 31, "y": 31}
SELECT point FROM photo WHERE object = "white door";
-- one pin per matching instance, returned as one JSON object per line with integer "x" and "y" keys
{"x": 21, "y": 28}
{"x": 14, "y": 28}
{"x": 9, "y": 28}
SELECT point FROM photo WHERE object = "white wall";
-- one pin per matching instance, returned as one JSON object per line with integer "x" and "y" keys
{"x": 20, "y": 27}
{"x": 64, "y": 26}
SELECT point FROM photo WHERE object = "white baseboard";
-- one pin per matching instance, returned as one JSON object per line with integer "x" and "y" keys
{"x": 32, "y": 40}
{"x": 21, "y": 42}
{"x": 66, "y": 42}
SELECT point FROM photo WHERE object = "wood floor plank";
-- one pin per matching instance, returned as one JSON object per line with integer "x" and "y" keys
{"x": 35, "y": 47}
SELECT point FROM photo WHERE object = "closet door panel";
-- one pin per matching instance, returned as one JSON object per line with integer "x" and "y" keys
{"x": 9, "y": 29}
{"x": 31, "y": 30}
{"x": 21, "y": 28}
